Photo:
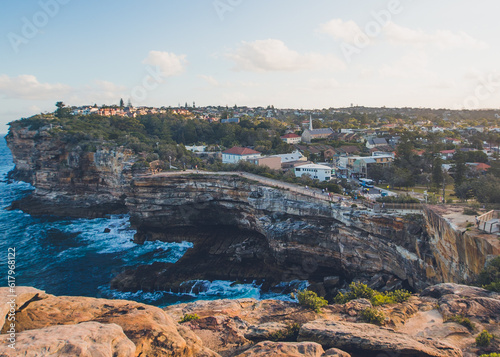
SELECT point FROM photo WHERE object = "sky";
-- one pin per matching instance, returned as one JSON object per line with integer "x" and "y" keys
{"x": 287, "y": 53}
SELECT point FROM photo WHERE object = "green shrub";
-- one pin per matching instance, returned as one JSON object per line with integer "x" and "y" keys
{"x": 464, "y": 321}
{"x": 489, "y": 278}
{"x": 398, "y": 199}
{"x": 189, "y": 317}
{"x": 290, "y": 334}
{"x": 311, "y": 300}
{"x": 491, "y": 355}
{"x": 493, "y": 286}
{"x": 373, "y": 316}
{"x": 362, "y": 291}
{"x": 484, "y": 339}
{"x": 399, "y": 295}
{"x": 470, "y": 211}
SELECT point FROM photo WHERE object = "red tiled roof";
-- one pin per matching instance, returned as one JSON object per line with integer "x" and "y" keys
{"x": 482, "y": 167}
{"x": 288, "y": 136}
{"x": 236, "y": 150}
{"x": 447, "y": 151}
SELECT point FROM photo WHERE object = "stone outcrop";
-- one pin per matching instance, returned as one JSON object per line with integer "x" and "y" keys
{"x": 371, "y": 339}
{"x": 78, "y": 179}
{"x": 87, "y": 339}
{"x": 82, "y": 326}
{"x": 284, "y": 349}
{"x": 149, "y": 329}
{"x": 292, "y": 236}
{"x": 459, "y": 254}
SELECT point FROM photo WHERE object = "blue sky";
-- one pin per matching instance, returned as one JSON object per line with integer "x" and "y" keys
{"x": 286, "y": 53}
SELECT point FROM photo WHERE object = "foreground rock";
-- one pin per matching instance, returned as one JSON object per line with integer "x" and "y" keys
{"x": 283, "y": 349}
{"x": 82, "y": 326}
{"x": 88, "y": 339}
{"x": 148, "y": 328}
{"x": 368, "y": 338}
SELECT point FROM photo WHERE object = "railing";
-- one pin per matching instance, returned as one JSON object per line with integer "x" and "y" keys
{"x": 489, "y": 222}
{"x": 379, "y": 206}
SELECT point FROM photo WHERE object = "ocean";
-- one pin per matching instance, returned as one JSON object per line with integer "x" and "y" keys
{"x": 66, "y": 256}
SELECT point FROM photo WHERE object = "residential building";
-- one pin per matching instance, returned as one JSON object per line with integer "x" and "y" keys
{"x": 358, "y": 165}
{"x": 294, "y": 156}
{"x": 230, "y": 120}
{"x": 273, "y": 162}
{"x": 291, "y": 138}
{"x": 320, "y": 172}
{"x": 236, "y": 154}
{"x": 447, "y": 154}
{"x": 372, "y": 143}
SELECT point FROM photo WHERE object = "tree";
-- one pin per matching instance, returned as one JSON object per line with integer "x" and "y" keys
{"x": 460, "y": 169}
{"x": 121, "y": 103}
{"x": 437, "y": 172}
{"x": 62, "y": 111}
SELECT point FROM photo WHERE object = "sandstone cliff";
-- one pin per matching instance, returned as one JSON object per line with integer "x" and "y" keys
{"x": 71, "y": 178}
{"x": 241, "y": 229}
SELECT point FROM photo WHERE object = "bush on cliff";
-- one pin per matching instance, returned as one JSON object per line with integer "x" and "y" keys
{"x": 373, "y": 316}
{"x": 484, "y": 339}
{"x": 489, "y": 278}
{"x": 464, "y": 321}
{"x": 311, "y": 300}
{"x": 189, "y": 317}
{"x": 362, "y": 291}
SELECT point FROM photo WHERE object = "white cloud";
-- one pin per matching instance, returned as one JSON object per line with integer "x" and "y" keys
{"x": 210, "y": 80}
{"x": 412, "y": 65}
{"x": 273, "y": 55}
{"x": 169, "y": 64}
{"x": 347, "y": 31}
{"x": 28, "y": 87}
{"x": 443, "y": 39}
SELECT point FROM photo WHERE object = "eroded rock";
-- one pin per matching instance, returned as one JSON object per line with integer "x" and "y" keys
{"x": 371, "y": 339}
{"x": 88, "y": 339}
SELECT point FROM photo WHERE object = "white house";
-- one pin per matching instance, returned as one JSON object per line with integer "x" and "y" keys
{"x": 236, "y": 154}
{"x": 195, "y": 148}
{"x": 320, "y": 172}
{"x": 291, "y": 138}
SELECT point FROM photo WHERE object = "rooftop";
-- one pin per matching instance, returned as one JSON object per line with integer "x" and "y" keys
{"x": 236, "y": 150}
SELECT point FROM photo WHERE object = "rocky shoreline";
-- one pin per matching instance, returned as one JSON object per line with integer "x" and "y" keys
{"x": 82, "y": 326}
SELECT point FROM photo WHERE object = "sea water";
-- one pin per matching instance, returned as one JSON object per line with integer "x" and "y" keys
{"x": 66, "y": 256}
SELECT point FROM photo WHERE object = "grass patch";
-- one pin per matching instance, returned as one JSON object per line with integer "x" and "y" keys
{"x": 464, "y": 321}
{"x": 290, "y": 334}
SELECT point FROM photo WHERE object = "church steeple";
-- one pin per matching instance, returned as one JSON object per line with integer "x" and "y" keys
{"x": 310, "y": 122}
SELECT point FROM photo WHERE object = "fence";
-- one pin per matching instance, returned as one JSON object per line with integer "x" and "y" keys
{"x": 489, "y": 222}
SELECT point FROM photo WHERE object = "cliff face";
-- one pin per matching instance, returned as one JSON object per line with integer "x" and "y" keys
{"x": 459, "y": 254}
{"x": 69, "y": 180}
{"x": 241, "y": 230}
{"x": 296, "y": 237}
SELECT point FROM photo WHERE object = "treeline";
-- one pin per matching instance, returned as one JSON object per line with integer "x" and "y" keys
{"x": 146, "y": 133}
